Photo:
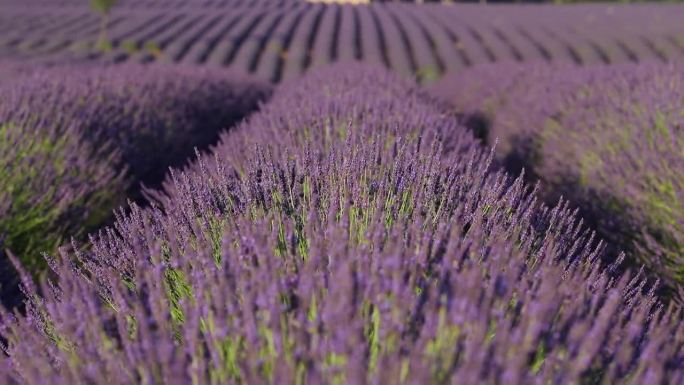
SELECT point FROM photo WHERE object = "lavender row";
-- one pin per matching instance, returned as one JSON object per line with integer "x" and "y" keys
{"x": 150, "y": 4}
{"x": 54, "y": 184}
{"x": 323, "y": 108}
{"x": 352, "y": 249}
{"x": 79, "y": 141}
{"x": 286, "y": 39}
{"x": 607, "y": 138}
{"x": 155, "y": 115}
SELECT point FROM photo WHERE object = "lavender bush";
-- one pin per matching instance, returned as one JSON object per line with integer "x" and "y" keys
{"x": 358, "y": 258}
{"x": 155, "y": 115}
{"x": 609, "y": 138}
{"x": 324, "y": 108}
{"x": 53, "y": 184}
{"x": 618, "y": 148}
{"x": 509, "y": 103}
{"x": 76, "y": 141}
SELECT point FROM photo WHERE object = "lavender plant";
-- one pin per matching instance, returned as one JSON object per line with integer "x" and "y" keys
{"x": 323, "y": 108}
{"x": 54, "y": 184}
{"x": 155, "y": 115}
{"x": 509, "y": 103}
{"x": 617, "y": 147}
{"x": 76, "y": 141}
{"x": 608, "y": 138}
{"x": 10, "y": 69}
{"x": 362, "y": 258}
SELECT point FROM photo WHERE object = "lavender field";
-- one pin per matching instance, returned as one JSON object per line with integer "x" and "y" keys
{"x": 291, "y": 192}
{"x": 281, "y": 39}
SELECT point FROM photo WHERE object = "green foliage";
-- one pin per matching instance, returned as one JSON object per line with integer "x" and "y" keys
{"x": 177, "y": 289}
{"x": 152, "y": 48}
{"x": 29, "y": 220}
{"x": 129, "y": 46}
{"x": 441, "y": 348}
{"x": 428, "y": 74}
{"x": 104, "y": 45}
{"x": 48, "y": 192}
{"x": 102, "y": 6}
{"x": 631, "y": 171}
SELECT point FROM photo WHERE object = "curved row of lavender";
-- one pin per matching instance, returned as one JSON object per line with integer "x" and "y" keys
{"x": 76, "y": 142}
{"x": 352, "y": 241}
{"x": 155, "y": 115}
{"x": 608, "y": 138}
{"x": 322, "y": 108}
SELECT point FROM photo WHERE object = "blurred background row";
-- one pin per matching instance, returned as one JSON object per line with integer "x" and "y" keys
{"x": 281, "y": 39}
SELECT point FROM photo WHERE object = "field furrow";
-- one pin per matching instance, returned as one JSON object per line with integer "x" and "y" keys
{"x": 283, "y": 39}
{"x": 299, "y": 52}
{"x": 275, "y": 49}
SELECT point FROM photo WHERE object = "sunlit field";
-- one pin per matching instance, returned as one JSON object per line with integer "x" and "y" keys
{"x": 341, "y": 192}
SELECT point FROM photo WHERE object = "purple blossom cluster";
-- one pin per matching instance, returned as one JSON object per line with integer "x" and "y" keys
{"x": 362, "y": 237}
{"x": 75, "y": 142}
{"x": 607, "y": 138}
